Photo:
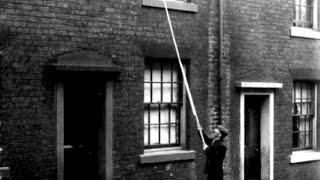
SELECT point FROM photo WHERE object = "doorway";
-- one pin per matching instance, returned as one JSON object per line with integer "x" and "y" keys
{"x": 256, "y": 136}
{"x": 252, "y": 137}
{"x": 84, "y": 129}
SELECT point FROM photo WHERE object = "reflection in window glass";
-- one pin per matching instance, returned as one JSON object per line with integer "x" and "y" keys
{"x": 303, "y": 114}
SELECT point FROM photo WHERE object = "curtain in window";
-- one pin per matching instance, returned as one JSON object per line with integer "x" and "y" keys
{"x": 162, "y": 100}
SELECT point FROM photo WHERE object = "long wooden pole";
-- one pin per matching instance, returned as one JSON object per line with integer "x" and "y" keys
{"x": 193, "y": 108}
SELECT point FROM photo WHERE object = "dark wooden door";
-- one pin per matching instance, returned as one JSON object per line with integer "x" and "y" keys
{"x": 84, "y": 114}
{"x": 252, "y": 138}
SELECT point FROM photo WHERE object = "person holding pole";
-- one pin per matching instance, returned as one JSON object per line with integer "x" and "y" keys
{"x": 215, "y": 151}
{"x": 213, "y": 146}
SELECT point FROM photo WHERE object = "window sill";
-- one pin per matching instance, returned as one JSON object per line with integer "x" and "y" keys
{"x": 304, "y": 156}
{"x": 166, "y": 155}
{"x": 174, "y": 5}
{"x": 305, "y": 33}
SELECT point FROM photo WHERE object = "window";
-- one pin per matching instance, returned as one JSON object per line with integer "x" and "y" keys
{"x": 163, "y": 103}
{"x": 303, "y": 13}
{"x": 305, "y": 23}
{"x": 303, "y": 115}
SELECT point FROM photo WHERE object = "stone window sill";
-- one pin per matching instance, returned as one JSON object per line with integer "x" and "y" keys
{"x": 304, "y": 156}
{"x": 305, "y": 33}
{"x": 172, "y": 4}
{"x": 166, "y": 155}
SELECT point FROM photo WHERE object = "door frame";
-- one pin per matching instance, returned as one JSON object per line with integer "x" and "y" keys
{"x": 269, "y": 107}
{"x": 60, "y": 129}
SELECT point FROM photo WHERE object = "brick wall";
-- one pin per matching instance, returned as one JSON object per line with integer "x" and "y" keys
{"x": 261, "y": 49}
{"x": 122, "y": 31}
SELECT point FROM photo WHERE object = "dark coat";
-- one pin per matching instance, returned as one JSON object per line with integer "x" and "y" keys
{"x": 215, "y": 153}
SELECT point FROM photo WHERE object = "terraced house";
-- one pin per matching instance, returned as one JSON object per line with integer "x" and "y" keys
{"x": 91, "y": 89}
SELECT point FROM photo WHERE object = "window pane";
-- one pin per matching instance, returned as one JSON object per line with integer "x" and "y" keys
{"x": 154, "y": 134}
{"x": 173, "y": 118}
{"x": 146, "y": 138}
{"x": 166, "y": 76}
{"x": 302, "y": 140}
{"x": 164, "y": 114}
{"x": 294, "y": 108}
{"x": 147, "y": 75}
{"x": 156, "y": 92}
{"x": 173, "y": 134}
{"x": 298, "y": 92}
{"x": 154, "y": 114}
{"x": 174, "y": 73}
{"x": 156, "y": 72}
{"x": 295, "y": 125}
{"x": 175, "y": 95}
{"x": 298, "y": 108}
{"x": 308, "y": 125}
{"x": 295, "y": 140}
{"x": 166, "y": 92}
{"x": 308, "y": 139}
{"x": 302, "y": 124}
{"x": 296, "y": 1}
{"x": 147, "y": 93}
{"x": 304, "y": 109}
{"x": 297, "y": 12}
{"x": 309, "y": 14}
{"x": 303, "y": 13}
{"x": 145, "y": 116}
{"x": 164, "y": 134}
{"x": 304, "y": 92}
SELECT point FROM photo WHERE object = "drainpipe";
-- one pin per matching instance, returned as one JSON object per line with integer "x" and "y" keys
{"x": 220, "y": 76}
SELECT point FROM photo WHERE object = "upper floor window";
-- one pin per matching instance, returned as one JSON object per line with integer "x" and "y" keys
{"x": 303, "y": 115}
{"x": 163, "y": 104}
{"x": 305, "y": 13}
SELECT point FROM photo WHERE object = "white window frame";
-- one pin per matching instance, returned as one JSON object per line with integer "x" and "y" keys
{"x": 313, "y": 32}
{"x": 299, "y": 156}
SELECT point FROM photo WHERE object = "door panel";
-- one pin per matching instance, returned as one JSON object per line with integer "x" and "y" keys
{"x": 252, "y": 138}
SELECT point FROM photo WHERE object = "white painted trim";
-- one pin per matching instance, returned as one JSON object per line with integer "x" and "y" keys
{"x": 304, "y": 156}
{"x": 60, "y": 130}
{"x": 304, "y": 32}
{"x": 244, "y": 84}
{"x": 166, "y": 155}
{"x": 271, "y": 135}
{"x": 242, "y": 134}
{"x": 271, "y": 131}
{"x": 173, "y": 5}
{"x": 315, "y": 14}
{"x": 315, "y": 123}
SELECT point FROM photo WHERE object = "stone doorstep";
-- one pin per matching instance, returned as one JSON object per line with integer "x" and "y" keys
{"x": 4, "y": 172}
